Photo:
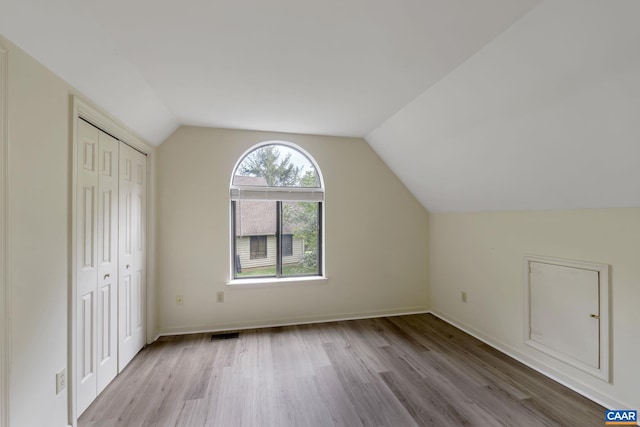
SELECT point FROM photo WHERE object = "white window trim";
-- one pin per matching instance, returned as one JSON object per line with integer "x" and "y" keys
{"x": 276, "y": 281}
{"x": 288, "y": 193}
{"x": 285, "y": 194}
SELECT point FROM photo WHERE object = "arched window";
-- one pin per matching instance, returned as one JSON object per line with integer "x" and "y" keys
{"x": 276, "y": 213}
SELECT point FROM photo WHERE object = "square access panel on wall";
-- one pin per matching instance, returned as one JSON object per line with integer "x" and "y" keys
{"x": 567, "y": 312}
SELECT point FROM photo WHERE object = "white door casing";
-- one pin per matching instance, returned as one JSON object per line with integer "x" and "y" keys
{"x": 5, "y": 305}
{"x": 132, "y": 259}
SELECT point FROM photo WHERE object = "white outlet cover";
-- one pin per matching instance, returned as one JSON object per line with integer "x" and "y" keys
{"x": 61, "y": 380}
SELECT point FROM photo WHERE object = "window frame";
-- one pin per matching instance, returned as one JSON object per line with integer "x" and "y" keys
{"x": 277, "y": 194}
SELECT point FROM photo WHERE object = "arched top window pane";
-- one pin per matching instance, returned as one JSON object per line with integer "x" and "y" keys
{"x": 277, "y": 198}
{"x": 276, "y": 165}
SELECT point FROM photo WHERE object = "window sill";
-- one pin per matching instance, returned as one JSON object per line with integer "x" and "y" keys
{"x": 271, "y": 281}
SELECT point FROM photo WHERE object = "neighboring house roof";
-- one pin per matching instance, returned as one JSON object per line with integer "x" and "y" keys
{"x": 250, "y": 181}
{"x": 256, "y": 217}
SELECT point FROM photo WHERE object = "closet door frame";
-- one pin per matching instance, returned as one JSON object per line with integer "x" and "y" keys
{"x": 5, "y": 285}
{"x": 93, "y": 115}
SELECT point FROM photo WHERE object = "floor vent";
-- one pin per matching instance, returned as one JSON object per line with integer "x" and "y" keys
{"x": 225, "y": 336}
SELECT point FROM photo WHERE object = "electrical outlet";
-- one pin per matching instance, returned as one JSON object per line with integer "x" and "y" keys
{"x": 179, "y": 300}
{"x": 61, "y": 380}
{"x": 463, "y": 296}
{"x": 220, "y": 296}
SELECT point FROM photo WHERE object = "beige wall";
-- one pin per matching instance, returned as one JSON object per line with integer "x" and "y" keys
{"x": 39, "y": 137}
{"x": 376, "y": 236}
{"x": 39, "y": 123}
{"x": 482, "y": 254}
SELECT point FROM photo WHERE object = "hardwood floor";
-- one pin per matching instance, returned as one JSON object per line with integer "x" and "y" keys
{"x": 396, "y": 371}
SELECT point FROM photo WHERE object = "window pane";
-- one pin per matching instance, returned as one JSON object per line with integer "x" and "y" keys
{"x": 300, "y": 220}
{"x": 287, "y": 245}
{"x": 276, "y": 165}
{"x": 258, "y": 247}
{"x": 277, "y": 195}
{"x": 255, "y": 232}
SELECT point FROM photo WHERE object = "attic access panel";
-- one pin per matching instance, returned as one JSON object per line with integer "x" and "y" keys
{"x": 566, "y": 312}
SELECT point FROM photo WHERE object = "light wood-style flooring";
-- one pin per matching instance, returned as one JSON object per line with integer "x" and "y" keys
{"x": 395, "y": 371}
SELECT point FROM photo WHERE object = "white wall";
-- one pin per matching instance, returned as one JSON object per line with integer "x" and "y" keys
{"x": 482, "y": 254}
{"x": 39, "y": 123}
{"x": 39, "y": 176}
{"x": 376, "y": 236}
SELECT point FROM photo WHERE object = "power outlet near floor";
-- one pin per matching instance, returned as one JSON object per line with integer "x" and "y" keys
{"x": 179, "y": 300}
{"x": 220, "y": 297}
{"x": 463, "y": 296}
{"x": 61, "y": 380}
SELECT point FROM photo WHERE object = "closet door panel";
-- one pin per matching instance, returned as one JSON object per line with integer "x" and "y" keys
{"x": 110, "y": 259}
{"x": 132, "y": 256}
{"x": 87, "y": 263}
{"x": 107, "y": 314}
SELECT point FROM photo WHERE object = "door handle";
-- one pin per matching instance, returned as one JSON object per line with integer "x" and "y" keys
{"x": 106, "y": 276}
{"x": 594, "y": 316}
{"x": 128, "y": 266}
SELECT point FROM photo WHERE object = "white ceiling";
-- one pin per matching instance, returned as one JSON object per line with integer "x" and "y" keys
{"x": 332, "y": 67}
{"x": 547, "y": 116}
{"x": 474, "y": 104}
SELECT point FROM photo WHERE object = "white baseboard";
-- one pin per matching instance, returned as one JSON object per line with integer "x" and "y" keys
{"x": 577, "y": 386}
{"x": 291, "y": 321}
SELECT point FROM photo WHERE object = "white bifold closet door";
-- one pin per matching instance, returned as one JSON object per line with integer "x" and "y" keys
{"x": 111, "y": 260}
{"x": 132, "y": 277}
{"x": 97, "y": 263}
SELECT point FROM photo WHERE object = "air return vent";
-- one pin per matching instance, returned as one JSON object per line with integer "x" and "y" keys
{"x": 225, "y": 336}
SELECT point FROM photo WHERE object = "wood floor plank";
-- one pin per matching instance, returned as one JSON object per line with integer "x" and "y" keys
{"x": 229, "y": 403}
{"x": 362, "y": 347}
{"x": 372, "y": 401}
{"x": 176, "y": 389}
{"x": 312, "y": 341}
{"x": 398, "y": 336}
{"x": 336, "y": 399}
{"x": 433, "y": 389}
{"x": 204, "y": 360}
{"x": 193, "y": 413}
{"x": 541, "y": 388}
{"x": 400, "y": 371}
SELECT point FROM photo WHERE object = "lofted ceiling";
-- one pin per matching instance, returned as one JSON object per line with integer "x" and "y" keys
{"x": 331, "y": 67}
{"x": 546, "y": 116}
{"x": 475, "y": 105}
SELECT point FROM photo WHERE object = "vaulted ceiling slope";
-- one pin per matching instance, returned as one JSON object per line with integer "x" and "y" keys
{"x": 334, "y": 67}
{"x": 475, "y": 105}
{"x": 547, "y": 116}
